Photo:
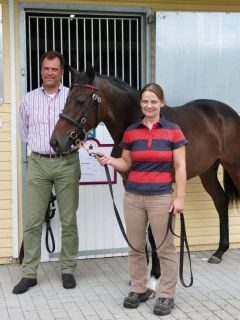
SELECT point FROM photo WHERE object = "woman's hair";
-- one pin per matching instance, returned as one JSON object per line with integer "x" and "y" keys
{"x": 155, "y": 88}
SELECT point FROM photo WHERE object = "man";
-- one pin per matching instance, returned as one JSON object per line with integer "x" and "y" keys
{"x": 39, "y": 113}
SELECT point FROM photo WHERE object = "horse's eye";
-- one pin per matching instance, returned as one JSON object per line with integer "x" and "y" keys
{"x": 80, "y": 102}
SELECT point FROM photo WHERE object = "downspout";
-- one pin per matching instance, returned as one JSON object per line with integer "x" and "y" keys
{"x": 13, "y": 128}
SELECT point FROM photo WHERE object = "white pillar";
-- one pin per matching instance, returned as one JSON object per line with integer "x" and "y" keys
{"x": 13, "y": 128}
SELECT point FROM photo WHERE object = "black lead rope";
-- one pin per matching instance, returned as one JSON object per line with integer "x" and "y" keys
{"x": 183, "y": 236}
{"x": 50, "y": 213}
{"x": 183, "y": 243}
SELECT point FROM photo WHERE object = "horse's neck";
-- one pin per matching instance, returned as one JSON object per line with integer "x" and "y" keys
{"x": 121, "y": 110}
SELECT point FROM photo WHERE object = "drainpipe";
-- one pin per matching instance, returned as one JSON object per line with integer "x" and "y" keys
{"x": 13, "y": 128}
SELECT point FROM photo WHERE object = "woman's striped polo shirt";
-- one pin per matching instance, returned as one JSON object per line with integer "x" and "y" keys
{"x": 152, "y": 156}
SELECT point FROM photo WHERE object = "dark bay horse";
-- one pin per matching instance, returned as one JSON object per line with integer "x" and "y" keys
{"x": 211, "y": 127}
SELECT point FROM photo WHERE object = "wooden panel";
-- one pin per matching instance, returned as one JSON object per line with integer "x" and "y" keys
{"x": 196, "y": 196}
{"x": 207, "y": 204}
{"x": 6, "y": 223}
{"x": 5, "y": 214}
{"x": 5, "y": 233}
{"x": 194, "y": 188}
{"x": 207, "y": 231}
{"x": 5, "y": 108}
{"x": 5, "y": 175}
{"x": 5, "y": 195}
{"x": 5, "y": 146}
{"x": 209, "y": 222}
{"x": 234, "y": 238}
{"x": 5, "y": 156}
{"x": 5, "y": 136}
{"x": 202, "y": 220}
{"x": 6, "y": 127}
{"x": 5, "y": 185}
{"x": 5, "y": 166}
{"x": 214, "y": 5}
{"x": 5, "y": 117}
{"x": 5, "y": 253}
{"x": 6, "y": 256}
{"x": 6, "y": 243}
{"x": 212, "y": 239}
{"x": 5, "y": 204}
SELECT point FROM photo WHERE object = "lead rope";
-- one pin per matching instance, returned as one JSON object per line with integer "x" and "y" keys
{"x": 183, "y": 235}
{"x": 50, "y": 213}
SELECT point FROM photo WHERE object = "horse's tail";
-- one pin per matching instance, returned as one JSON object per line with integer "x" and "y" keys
{"x": 230, "y": 188}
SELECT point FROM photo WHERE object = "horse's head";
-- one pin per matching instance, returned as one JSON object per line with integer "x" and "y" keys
{"x": 81, "y": 111}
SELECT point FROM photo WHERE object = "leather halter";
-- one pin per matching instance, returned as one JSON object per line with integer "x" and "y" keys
{"x": 81, "y": 123}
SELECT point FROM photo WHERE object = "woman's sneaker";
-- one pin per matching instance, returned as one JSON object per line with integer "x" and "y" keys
{"x": 163, "y": 306}
{"x": 134, "y": 299}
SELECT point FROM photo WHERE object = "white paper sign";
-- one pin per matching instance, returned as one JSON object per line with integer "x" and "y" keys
{"x": 91, "y": 171}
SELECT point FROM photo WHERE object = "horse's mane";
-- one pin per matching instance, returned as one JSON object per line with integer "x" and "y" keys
{"x": 119, "y": 83}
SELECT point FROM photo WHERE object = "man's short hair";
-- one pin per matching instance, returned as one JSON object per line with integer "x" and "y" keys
{"x": 50, "y": 55}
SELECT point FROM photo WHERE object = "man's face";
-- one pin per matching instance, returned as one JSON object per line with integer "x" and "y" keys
{"x": 51, "y": 73}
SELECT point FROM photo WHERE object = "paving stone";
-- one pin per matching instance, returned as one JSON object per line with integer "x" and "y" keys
{"x": 102, "y": 285}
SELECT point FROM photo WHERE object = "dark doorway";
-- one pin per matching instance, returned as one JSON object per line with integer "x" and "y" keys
{"x": 112, "y": 44}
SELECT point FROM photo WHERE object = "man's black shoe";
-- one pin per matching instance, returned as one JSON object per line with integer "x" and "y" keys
{"x": 163, "y": 306}
{"x": 68, "y": 280}
{"x": 133, "y": 299}
{"x": 24, "y": 285}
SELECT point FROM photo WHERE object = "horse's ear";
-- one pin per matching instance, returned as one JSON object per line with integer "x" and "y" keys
{"x": 73, "y": 71}
{"x": 90, "y": 73}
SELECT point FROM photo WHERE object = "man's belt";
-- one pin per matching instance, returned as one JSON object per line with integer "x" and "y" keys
{"x": 54, "y": 155}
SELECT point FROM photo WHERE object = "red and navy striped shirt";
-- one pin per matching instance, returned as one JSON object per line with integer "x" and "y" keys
{"x": 152, "y": 156}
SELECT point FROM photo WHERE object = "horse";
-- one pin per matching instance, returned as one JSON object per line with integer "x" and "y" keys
{"x": 211, "y": 127}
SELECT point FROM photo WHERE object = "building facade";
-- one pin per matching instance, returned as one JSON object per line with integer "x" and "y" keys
{"x": 25, "y": 26}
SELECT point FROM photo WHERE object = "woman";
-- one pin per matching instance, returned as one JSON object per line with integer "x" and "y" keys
{"x": 153, "y": 149}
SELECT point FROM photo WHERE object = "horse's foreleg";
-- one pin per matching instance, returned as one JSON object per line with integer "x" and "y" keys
{"x": 212, "y": 185}
{"x": 155, "y": 269}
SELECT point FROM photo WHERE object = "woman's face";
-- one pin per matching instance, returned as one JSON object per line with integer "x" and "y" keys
{"x": 151, "y": 105}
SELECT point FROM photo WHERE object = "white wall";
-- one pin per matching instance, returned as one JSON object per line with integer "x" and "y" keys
{"x": 198, "y": 56}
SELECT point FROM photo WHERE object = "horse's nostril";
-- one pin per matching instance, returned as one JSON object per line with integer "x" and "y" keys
{"x": 54, "y": 143}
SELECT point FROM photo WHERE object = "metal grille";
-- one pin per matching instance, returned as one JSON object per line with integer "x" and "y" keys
{"x": 111, "y": 44}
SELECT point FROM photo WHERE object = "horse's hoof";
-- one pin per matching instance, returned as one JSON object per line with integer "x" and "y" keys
{"x": 214, "y": 260}
{"x": 151, "y": 294}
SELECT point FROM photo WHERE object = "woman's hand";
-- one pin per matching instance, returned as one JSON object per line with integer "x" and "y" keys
{"x": 177, "y": 206}
{"x": 103, "y": 159}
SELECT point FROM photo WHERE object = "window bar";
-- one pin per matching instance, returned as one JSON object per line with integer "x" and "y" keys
{"x": 77, "y": 44}
{"x": 45, "y": 34}
{"x": 53, "y": 32}
{"x": 92, "y": 42}
{"x": 115, "y": 50}
{"x": 38, "y": 74}
{"x": 107, "y": 26}
{"x": 137, "y": 50}
{"x": 61, "y": 36}
{"x": 30, "y": 56}
{"x": 84, "y": 42}
{"x": 130, "y": 52}
{"x": 69, "y": 50}
{"x": 123, "y": 75}
{"x": 100, "y": 46}
{"x": 61, "y": 39}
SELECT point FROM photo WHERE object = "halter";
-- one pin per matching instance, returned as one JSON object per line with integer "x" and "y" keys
{"x": 81, "y": 123}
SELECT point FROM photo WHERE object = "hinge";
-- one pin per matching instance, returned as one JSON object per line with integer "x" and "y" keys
{"x": 150, "y": 18}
